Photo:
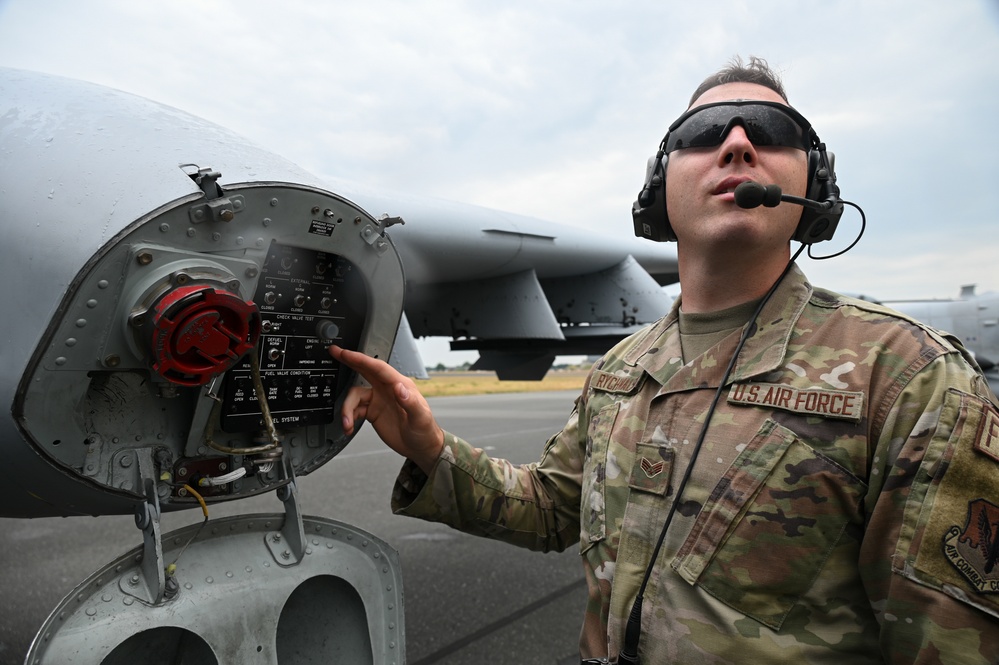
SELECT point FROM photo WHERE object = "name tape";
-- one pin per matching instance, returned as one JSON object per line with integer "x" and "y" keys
{"x": 826, "y": 403}
{"x": 613, "y": 383}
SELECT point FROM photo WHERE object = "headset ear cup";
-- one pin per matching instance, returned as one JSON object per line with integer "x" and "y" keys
{"x": 649, "y": 210}
{"x": 818, "y": 225}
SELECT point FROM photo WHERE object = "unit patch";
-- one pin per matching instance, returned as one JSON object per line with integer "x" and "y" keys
{"x": 987, "y": 441}
{"x": 975, "y": 550}
{"x": 826, "y": 403}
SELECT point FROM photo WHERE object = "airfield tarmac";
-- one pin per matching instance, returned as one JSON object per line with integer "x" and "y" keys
{"x": 468, "y": 599}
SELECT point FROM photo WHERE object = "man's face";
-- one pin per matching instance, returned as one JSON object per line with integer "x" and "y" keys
{"x": 700, "y": 184}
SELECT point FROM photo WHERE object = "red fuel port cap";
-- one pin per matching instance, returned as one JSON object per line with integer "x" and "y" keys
{"x": 199, "y": 331}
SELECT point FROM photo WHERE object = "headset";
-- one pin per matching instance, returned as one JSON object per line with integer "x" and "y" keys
{"x": 822, "y": 207}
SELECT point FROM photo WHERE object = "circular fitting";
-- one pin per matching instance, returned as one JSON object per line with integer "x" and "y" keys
{"x": 199, "y": 331}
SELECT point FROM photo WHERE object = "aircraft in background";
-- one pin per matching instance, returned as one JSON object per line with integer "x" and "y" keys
{"x": 972, "y": 317}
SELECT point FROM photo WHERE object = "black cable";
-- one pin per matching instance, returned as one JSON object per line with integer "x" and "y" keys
{"x": 863, "y": 227}
{"x": 633, "y": 630}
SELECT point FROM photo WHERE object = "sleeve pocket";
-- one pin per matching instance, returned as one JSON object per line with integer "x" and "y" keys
{"x": 592, "y": 514}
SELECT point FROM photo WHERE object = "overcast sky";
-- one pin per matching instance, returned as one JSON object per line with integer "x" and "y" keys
{"x": 551, "y": 108}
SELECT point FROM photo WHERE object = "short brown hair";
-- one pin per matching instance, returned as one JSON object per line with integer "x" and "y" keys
{"x": 755, "y": 71}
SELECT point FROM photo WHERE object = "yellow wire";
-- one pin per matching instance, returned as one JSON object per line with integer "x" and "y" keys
{"x": 204, "y": 506}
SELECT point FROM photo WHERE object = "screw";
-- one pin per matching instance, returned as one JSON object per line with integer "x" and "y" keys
{"x": 227, "y": 215}
{"x": 276, "y": 538}
{"x": 286, "y": 554}
{"x": 112, "y": 360}
{"x": 182, "y": 472}
{"x": 133, "y": 580}
{"x": 144, "y": 258}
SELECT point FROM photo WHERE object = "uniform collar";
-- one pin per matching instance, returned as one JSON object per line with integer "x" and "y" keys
{"x": 659, "y": 353}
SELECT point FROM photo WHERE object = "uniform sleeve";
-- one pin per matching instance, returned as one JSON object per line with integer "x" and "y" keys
{"x": 930, "y": 553}
{"x": 533, "y": 505}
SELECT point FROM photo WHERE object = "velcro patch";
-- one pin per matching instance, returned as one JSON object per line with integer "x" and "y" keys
{"x": 987, "y": 441}
{"x": 840, "y": 404}
{"x": 614, "y": 383}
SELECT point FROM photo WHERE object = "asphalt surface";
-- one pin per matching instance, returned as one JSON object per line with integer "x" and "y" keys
{"x": 467, "y": 599}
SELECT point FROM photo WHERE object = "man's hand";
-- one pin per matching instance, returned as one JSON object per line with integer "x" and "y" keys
{"x": 393, "y": 406}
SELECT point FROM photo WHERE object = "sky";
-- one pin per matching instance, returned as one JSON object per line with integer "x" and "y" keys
{"x": 551, "y": 108}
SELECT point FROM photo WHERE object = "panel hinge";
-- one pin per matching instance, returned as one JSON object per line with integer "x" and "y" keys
{"x": 287, "y": 546}
{"x": 219, "y": 206}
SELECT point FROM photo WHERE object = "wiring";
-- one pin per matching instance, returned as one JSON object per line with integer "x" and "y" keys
{"x": 265, "y": 411}
{"x": 172, "y": 568}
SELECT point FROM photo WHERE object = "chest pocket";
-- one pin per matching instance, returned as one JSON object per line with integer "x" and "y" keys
{"x": 770, "y": 526}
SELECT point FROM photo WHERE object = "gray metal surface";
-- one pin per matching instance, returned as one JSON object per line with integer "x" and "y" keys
{"x": 239, "y": 600}
{"x": 467, "y": 600}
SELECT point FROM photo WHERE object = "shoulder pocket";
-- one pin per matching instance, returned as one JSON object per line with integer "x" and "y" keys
{"x": 770, "y": 525}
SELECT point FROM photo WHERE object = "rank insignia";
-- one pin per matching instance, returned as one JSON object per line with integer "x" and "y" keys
{"x": 974, "y": 551}
{"x": 652, "y": 469}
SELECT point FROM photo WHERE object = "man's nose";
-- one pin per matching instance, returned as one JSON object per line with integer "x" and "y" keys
{"x": 737, "y": 148}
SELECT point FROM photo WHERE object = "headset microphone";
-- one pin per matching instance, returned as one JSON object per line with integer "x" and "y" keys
{"x": 817, "y": 223}
{"x": 752, "y": 194}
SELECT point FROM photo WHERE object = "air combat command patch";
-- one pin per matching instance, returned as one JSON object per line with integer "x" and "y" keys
{"x": 975, "y": 550}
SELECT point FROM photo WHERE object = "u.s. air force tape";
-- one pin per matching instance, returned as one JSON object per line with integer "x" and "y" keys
{"x": 813, "y": 401}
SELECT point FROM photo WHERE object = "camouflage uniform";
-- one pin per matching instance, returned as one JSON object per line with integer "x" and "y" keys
{"x": 844, "y": 507}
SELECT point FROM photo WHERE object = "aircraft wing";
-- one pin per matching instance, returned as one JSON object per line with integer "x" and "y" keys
{"x": 517, "y": 289}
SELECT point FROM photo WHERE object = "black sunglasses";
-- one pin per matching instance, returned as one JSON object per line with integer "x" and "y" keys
{"x": 765, "y": 124}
